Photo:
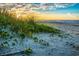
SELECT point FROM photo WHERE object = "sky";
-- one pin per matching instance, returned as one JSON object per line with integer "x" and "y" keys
{"x": 61, "y": 11}
{"x": 47, "y": 11}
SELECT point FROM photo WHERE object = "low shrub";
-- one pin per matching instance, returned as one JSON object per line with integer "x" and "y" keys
{"x": 28, "y": 51}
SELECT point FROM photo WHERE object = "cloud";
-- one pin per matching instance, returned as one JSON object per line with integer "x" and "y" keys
{"x": 72, "y": 15}
{"x": 63, "y": 5}
{"x": 69, "y": 14}
{"x": 40, "y": 6}
{"x": 54, "y": 6}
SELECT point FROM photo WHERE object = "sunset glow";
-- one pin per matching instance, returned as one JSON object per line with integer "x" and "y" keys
{"x": 47, "y": 11}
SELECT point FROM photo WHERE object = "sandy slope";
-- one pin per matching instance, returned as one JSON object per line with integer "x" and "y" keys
{"x": 57, "y": 45}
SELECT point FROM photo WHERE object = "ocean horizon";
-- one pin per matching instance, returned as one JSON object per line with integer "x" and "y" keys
{"x": 61, "y": 21}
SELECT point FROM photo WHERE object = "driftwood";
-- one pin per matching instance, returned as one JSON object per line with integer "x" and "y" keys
{"x": 11, "y": 54}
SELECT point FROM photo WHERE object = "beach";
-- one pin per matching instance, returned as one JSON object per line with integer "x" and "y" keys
{"x": 47, "y": 43}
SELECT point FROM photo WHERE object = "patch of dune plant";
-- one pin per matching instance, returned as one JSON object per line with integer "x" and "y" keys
{"x": 75, "y": 46}
{"x": 35, "y": 39}
{"x": 4, "y": 35}
{"x": 40, "y": 41}
{"x": 4, "y": 45}
{"x": 28, "y": 51}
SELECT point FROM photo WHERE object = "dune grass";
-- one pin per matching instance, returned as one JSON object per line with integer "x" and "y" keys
{"x": 23, "y": 28}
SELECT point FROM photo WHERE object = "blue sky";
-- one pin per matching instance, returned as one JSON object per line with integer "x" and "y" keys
{"x": 72, "y": 9}
{"x": 63, "y": 8}
{"x": 63, "y": 11}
